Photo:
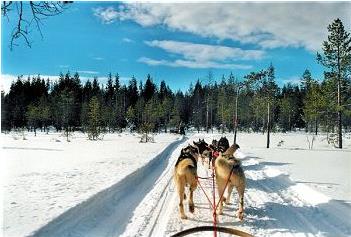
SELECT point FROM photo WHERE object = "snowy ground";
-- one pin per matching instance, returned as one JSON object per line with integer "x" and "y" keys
{"x": 45, "y": 176}
{"x": 274, "y": 204}
{"x": 88, "y": 188}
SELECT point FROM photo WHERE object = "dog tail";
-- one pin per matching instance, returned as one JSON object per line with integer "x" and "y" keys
{"x": 188, "y": 167}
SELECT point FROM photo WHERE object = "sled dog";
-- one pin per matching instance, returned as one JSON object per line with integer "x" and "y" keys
{"x": 228, "y": 167}
{"x": 223, "y": 144}
{"x": 185, "y": 174}
{"x": 204, "y": 150}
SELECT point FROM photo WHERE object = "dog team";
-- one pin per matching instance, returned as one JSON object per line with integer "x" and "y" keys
{"x": 228, "y": 172}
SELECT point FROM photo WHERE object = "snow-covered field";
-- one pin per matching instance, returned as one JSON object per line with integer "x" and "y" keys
{"x": 86, "y": 188}
{"x": 45, "y": 176}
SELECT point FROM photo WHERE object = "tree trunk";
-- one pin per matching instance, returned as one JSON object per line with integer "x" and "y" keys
{"x": 207, "y": 115}
{"x": 339, "y": 115}
{"x": 236, "y": 116}
{"x": 316, "y": 126}
{"x": 268, "y": 125}
{"x": 340, "y": 129}
{"x": 339, "y": 102}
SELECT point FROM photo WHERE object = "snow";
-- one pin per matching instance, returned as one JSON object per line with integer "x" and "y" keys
{"x": 324, "y": 168}
{"x": 44, "y": 178}
{"x": 275, "y": 205}
{"x": 86, "y": 188}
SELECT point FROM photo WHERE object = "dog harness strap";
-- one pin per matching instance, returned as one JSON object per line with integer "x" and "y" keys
{"x": 183, "y": 158}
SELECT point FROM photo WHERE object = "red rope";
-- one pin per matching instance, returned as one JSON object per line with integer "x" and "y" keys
{"x": 226, "y": 184}
{"x": 214, "y": 203}
{"x": 205, "y": 194}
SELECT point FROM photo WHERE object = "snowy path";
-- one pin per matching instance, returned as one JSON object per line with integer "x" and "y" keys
{"x": 274, "y": 206}
{"x": 108, "y": 212}
{"x": 146, "y": 204}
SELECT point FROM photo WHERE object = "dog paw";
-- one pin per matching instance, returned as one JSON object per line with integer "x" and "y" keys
{"x": 192, "y": 208}
{"x": 184, "y": 217}
{"x": 240, "y": 215}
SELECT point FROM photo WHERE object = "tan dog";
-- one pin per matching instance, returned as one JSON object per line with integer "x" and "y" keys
{"x": 185, "y": 173}
{"x": 227, "y": 166}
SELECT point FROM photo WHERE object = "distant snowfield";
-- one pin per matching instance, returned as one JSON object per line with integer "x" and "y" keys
{"x": 89, "y": 188}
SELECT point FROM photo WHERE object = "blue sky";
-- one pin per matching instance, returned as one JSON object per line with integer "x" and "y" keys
{"x": 178, "y": 43}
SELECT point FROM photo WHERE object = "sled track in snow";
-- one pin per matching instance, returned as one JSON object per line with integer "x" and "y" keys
{"x": 107, "y": 213}
{"x": 274, "y": 206}
{"x": 145, "y": 203}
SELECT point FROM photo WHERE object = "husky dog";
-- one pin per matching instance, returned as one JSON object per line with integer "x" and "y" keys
{"x": 223, "y": 144}
{"x": 185, "y": 173}
{"x": 204, "y": 150}
{"x": 227, "y": 166}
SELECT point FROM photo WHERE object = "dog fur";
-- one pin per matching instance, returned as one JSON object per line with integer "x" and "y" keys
{"x": 185, "y": 173}
{"x": 223, "y": 144}
{"x": 204, "y": 150}
{"x": 227, "y": 166}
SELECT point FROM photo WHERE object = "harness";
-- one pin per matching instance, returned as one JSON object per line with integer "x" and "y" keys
{"x": 186, "y": 156}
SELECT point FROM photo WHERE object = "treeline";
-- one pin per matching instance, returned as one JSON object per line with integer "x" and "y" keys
{"x": 252, "y": 103}
{"x": 67, "y": 104}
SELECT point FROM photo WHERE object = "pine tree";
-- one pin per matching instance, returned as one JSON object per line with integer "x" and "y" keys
{"x": 33, "y": 117}
{"x": 149, "y": 89}
{"x": 94, "y": 119}
{"x": 313, "y": 108}
{"x": 337, "y": 58}
{"x": 306, "y": 80}
{"x": 65, "y": 111}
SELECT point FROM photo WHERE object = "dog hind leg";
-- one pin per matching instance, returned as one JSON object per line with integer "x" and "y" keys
{"x": 181, "y": 188}
{"x": 220, "y": 188}
{"x": 240, "y": 212}
{"x": 229, "y": 191}
{"x": 191, "y": 201}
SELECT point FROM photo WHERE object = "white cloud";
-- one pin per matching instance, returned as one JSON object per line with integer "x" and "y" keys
{"x": 192, "y": 64}
{"x": 270, "y": 25}
{"x": 292, "y": 80}
{"x": 7, "y": 79}
{"x": 127, "y": 40}
{"x": 107, "y": 15}
{"x": 88, "y": 72}
{"x": 205, "y": 52}
{"x": 201, "y": 55}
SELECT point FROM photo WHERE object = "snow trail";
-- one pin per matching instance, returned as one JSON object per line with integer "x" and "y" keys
{"x": 108, "y": 212}
{"x": 145, "y": 203}
{"x": 274, "y": 206}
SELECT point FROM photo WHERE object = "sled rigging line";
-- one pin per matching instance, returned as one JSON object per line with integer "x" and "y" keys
{"x": 214, "y": 206}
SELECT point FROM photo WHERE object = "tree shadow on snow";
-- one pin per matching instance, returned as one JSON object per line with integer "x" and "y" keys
{"x": 260, "y": 165}
{"x": 331, "y": 219}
